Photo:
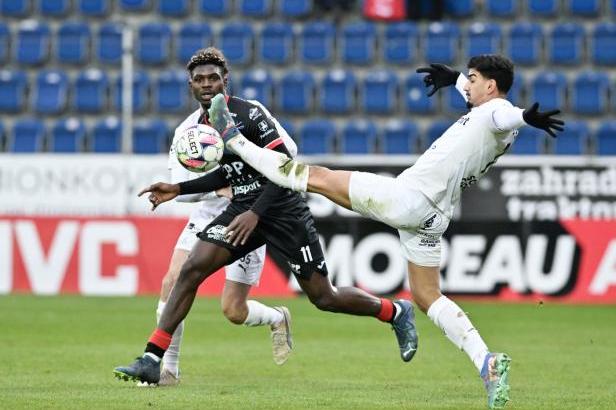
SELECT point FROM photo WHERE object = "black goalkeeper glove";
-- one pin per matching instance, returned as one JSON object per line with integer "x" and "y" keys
{"x": 543, "y": 120}
{"x": 439, "y": 76}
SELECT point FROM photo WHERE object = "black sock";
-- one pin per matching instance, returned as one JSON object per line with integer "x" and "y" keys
{"x": 152, "y": 348}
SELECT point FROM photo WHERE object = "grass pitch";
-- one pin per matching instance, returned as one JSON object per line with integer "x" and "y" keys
{"x": 59, "y": 352}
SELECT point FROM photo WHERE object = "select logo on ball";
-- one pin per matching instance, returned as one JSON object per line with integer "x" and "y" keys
{"x": 199, "y": 148}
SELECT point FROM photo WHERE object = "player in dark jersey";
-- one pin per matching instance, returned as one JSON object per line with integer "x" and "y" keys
{"x": 260, "y": 213}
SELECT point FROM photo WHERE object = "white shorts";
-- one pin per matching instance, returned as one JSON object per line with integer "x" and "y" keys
{"x": 392, "y": 201}
{"x": 244, "y": 270}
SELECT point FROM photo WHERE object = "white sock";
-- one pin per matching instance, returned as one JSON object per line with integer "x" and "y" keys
{"x": 259, "y": 314}
{"x": 171, "y": 359}
{"x": 458, "y": 328}
{"x": 276, "y": 166}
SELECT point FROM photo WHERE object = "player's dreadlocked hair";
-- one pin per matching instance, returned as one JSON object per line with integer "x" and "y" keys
{"x": 210, "y": 55}
{"x": 495, "y": 67}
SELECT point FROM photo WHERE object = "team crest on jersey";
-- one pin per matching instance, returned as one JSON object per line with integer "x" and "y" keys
{"x": 432, "y": 222}
{"x": 263, "y": 126}
{"x": 254, "y": 113}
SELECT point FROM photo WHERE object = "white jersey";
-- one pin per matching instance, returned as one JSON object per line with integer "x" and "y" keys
{"x": 464, "y": 153}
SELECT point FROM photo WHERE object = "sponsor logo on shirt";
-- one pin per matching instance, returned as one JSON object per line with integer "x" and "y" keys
{"x": 466, "y": 182}
{"x": 464, "y": 120}
{"x": 254, "y": 113}
{"x": 244, "y": 189}
{"x": 263, "y": 126}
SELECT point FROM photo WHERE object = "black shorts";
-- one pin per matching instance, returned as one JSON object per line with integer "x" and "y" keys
{"x": 290, "y": 231}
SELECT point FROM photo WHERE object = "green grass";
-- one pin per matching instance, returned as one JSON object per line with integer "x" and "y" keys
{"x": 59, "y": 352}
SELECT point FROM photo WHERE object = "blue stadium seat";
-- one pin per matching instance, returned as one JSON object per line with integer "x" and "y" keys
{"x": 15, "y": 8}
{"x": 150, "y": 137}
{"x": 358, "y": 43}
{"x": 54, "y": 8}
{"x": 135, "y": 6}
{"x": 73, "y": 46}
{"x": 606, "y": 138}
{"x": 294, "y": 8}
{"x": 5, "y": 41}
{"x": 515, "y": 94}
{"x": 584, "y": 8}
{"x": 590, "y": 93}
{"x": 170, "y": 93}
{"x": 317, "y": 43}
{"x": 603, "y": 40}
{"x": 141, "y": 86}
{"x": 174, "y": 8}
{"x": 296, "y": 92}
{"x": 573, "y": 140}
{"x": 107, "y": 136}
{"x": 192, "y": 37}
{"x": 257, "y": 85}
{"x": 358, "y": 137}
{"x": 2, "y": 138}
{"x": 237, "y": 41}
{"x": 415, "y": 95}
{"x": 548, "y": 89}
{"x": 566, "y": 44}
{"x": 67, "y": 135}
{"x": 435, "y": 130}
{"x": 543, "y": 8}
{"x": 216, "y": 8}
{"x": 255, "y": 8}
{"x": 33, "y": 43}
{"x": 400, "y": 137}
{"x": 109, "y": 44}
{"x": 51, "y": 94}
{"x": 338, "y": 92}
{"x": 94, "y": 8}
{"x": 12, "y": 91}
{"x": 483, "y": 39}
{"x": 525, "y": 43}
{"x": 442, "y": 43}
{"x": 400, "y": 43}
{"x": 379, "y": 92}
{"x": 502, "y": 8}
{"x": 276, "y": 45}
{"x": 454, "y": 102}
{"x": 28, "y": 136}
{"x": 530, "y": 141}
{"x": 317, "y": 136}
{"x": 460, "y": 8}
{"x": 91, "y": 92}
{"x": 154, "y": 44}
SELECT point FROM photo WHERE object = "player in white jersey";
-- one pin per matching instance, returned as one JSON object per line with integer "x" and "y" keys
{"x": 420, "y": 201}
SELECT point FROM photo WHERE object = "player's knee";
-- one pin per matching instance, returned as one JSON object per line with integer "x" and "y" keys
{"x": 326, "y": 302}
{"x": 169, "y": 280}
{"x": 235, "y": 313}
{"x": 189, "y": 275}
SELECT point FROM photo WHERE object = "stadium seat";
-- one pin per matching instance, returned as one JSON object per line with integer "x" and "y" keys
{"x": 460, "y": 8}
{"x": 16, "y": 8}
{"x": 2, "y": 138}
{"x": 400, "y": 43}
{"x": 5, "y": 41}
{"x": 530, "y": 141}
{"x": 358, "y": 43}
{"x": 276, "y": 45}
{"x": 516, "y": 93}
{"x": 51, "y": 93}
{"x": 154, "y": 44}
{"x": 400, "y": 137}
{"x": 67, "y": 135}
{"x": 435, "y": 130}
{"x": 257, "y": 85}
{"x": 296, "y": 92}
{"x": 107, "y": 136}
{"x": 141, "y": 86}
{"x": 215, "y": 8}
{"x": 91, "y": 92}
{"x": 566, "y": 44}
{"x": 174, "y": 8}
{"x": 442, "y": 43}
{"x": 237, "y": 42}
{"x": 358, "y": 137}
{"x": 28, "y": 136}
{"x": 584, "y": 8}
{"x": 317, "y": 136}
{"x": 13, "y": 85}
{"x": 573, "y": 140}
{"x": 415, "y": 95}
{"x": 54, "y": 8}
{"x": 454, "y": 102}
{"x": 255, "y": 8}
{"x": 525, "y": 43}
{"x": 109, "y": 44}
{"x": 33, "y": 43}
{"x": 379, "y": 92}
{"x": 603, "y": 40}
{"x": 94, "y": 8}
{"x": 502, "y": 8}
{"x": 192, "y": 37}
{"x": 543, "y": 8}
{"x": 73, "y": 46}
{"x": 317, "y": 43}
{"x": 483, "y": 39}
{"x": 338, "y": 92}
{"x": 170, "y": 93}
{"x": 294, "y": 8}
{"x": 135, "y": 6}
{"x": 150, "y": 137}
{"x": 590, "y": 93}
{"x": 548, "y": 89}
{"x": 606, "y": 138}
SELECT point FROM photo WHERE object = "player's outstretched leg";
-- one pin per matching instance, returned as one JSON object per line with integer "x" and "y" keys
{"x": 495, "y": 375}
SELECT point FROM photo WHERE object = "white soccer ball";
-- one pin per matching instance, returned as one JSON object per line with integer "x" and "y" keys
{"x": 199, "y": 148}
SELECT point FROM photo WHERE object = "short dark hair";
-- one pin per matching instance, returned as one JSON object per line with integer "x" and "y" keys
{"x": 494, "y": 67}
{"x": 210, "y": 55}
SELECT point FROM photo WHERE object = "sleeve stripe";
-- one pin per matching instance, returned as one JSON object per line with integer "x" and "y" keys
{"x": 274, "y": 143}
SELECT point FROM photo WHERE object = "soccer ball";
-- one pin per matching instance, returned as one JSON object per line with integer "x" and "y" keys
{"x": 199, "y": 148}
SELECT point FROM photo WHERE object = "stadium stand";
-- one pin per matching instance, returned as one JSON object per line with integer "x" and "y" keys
{"x": 379, "y": 92}
{"x": 140, "y": 94}
{"x": 502, "y": 8}
{"x": 317, "y": 136}
{"x": 109, "y": 43}
{"x": 543, "y": 8}
{"x": 237, "y": 42}
{"x": 15, "y": 8}
{"x": 400, "y": 137}
{"x": 604, "y": 38}
{"x": 257, "y": 85}
{"x": 529, "y": 141}
{"x": 525, "y": 43}
{"x": 54, "y": 8}
{"x": 442, "y": 43}
{"x": 483, "y": 39}
{"x": 294, "y": 8}
{"x": 606, "y": 138}
{"x": 51, "y": 93}
{"x": 28, "y": 136}
{"x": 255, "y": 8}
{"x": 400, "y": 43}
{"x": 73, "y": 43}
{"x": 106, "y": 136}
{"x": 192, "y": 37}
{"x": 5, "y": 41}
{"x": 154, "y": 44}
{"x": 338, "y": 92}
{"x": 416, "y": 100}
{"x": 296, "y": 92}
{"x": 566, "y": 44}
{"x": 150, "y": 137}
{"x": 358, "y": 137}
{"x": 12, "y": 91}
{"x": 170, "y": 93}
{"x": 174, "y": 8}
{"x": 358, "y": 41}
{"x": 548, "y": 89}
{"x": 573, "y": 140}
{"x": 67, "y": 135}
{"x": 317, "y": 43}
{"x": 94, "y": 8}
{"x": 33, "y": 43}
{"x": 590, "y": 93}
{"x": 276, "y": 45}
{"x": 91, "y": 92}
